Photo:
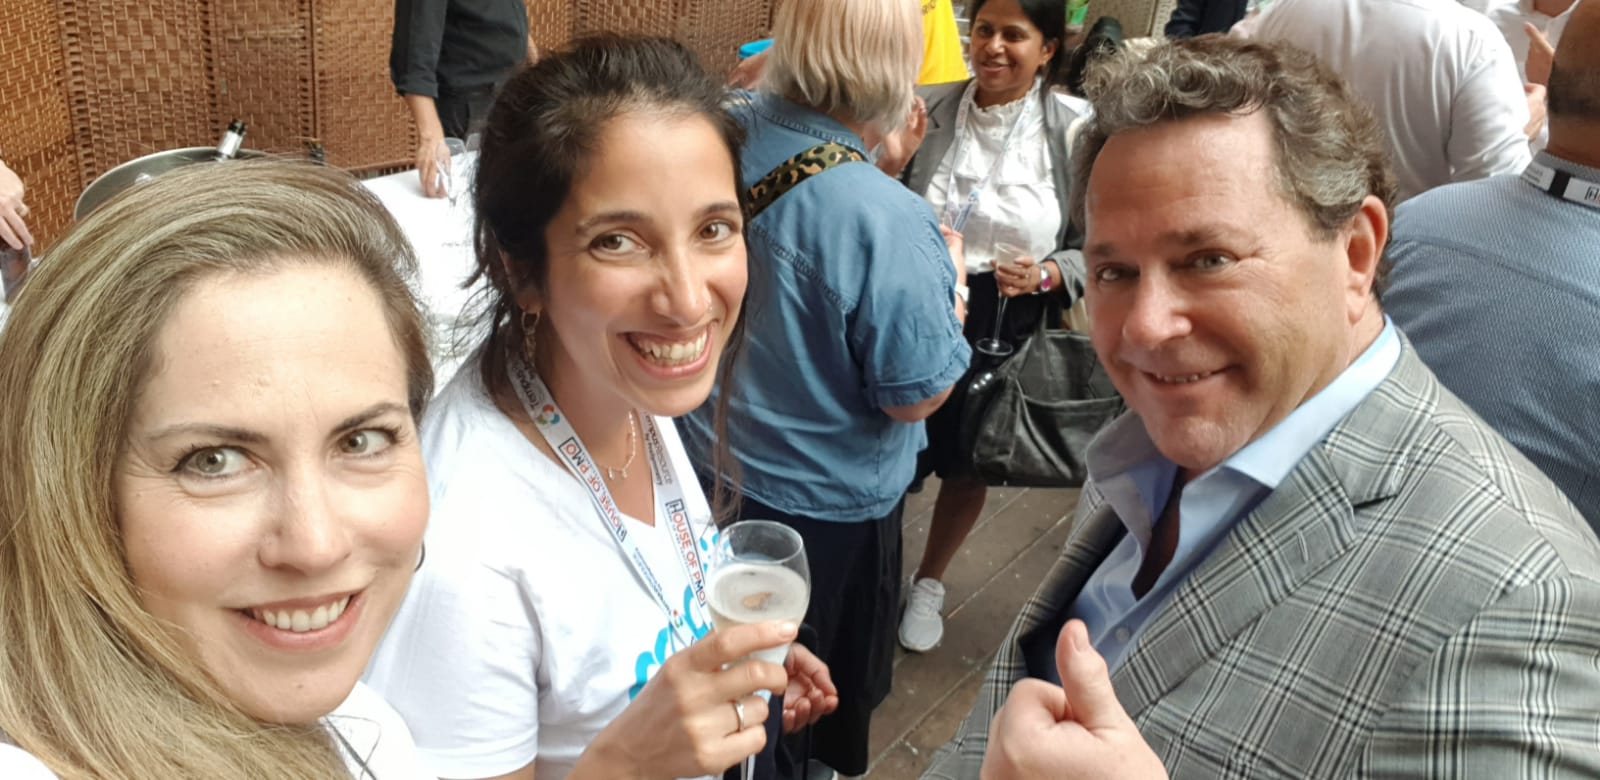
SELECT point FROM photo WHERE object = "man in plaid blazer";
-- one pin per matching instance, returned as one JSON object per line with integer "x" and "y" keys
{"x": 1300, "y": 556}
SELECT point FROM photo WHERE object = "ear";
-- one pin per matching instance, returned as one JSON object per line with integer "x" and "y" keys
{"x": 1364, "y": 241}
{"x": 524, "y": 292}
{"x": 1049, "y": 50}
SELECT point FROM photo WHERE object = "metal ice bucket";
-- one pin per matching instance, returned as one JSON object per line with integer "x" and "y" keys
{"x": 132, "y": 172}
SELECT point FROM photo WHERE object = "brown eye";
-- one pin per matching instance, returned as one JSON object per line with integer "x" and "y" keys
{"x": 614, "y": 243}
{"x": 367, "y": 442}
{"x": 717, "y": 231}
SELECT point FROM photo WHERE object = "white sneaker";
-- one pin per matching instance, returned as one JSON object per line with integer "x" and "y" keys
{"x": 921, "y": 626}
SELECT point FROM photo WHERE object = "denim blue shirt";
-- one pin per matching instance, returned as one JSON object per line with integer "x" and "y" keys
{"x": 1137, "y": 481}
{"x": 850, "y": 310}
{"x": 1497, "y": 284}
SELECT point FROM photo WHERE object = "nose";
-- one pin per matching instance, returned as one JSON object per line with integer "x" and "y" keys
{"x": 682, "y": 295}
{"x": 310, "y": 534}
{"x": 994, "y": 44}
{"x": 1158, "y": 313}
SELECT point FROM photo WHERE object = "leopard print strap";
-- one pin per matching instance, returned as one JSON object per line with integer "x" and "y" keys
{"x": 796, "y": 169}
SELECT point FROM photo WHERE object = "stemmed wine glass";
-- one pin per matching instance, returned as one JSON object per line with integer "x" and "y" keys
{"x": 759, "y": 573}
{"x": 1005, "y": 253}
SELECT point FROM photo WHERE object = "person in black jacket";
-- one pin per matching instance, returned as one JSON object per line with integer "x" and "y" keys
{"x": 1198, "y": 17}
{"x": 446, "y": 58}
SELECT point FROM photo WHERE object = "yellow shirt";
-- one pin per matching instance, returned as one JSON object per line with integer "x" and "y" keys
{"x": 941, "y": 54}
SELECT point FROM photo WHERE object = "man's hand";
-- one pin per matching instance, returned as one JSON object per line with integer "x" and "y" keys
{"x": 1077, "y": 731}
{"x": 1537, "y": 112}
{"x": 433, "y": 166}
{"x": 13, "y": 231}
{"x": 1541, "y": 55}
{"x": 811, "y": 693}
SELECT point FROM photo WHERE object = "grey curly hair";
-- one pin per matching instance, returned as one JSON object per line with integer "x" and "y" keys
{"x": 1330, "y": 154}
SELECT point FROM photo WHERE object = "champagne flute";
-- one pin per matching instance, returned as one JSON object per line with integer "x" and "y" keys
{"x": 1005, "y": 253}
{"x": 759, "y": 573}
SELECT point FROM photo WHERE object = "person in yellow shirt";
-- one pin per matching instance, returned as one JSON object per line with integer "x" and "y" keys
{"x": 941, "y": 54}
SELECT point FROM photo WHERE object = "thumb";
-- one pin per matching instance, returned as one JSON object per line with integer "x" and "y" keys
{"x": 1087, "y": 682}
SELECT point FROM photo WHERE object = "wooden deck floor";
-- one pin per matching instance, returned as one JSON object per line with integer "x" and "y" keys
{"x": 1017, "y": 539}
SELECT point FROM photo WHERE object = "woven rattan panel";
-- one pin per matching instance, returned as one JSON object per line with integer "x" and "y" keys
{"x": 712, "y": 28}
{"x": 360, "y": 120}
{"x": 36, "y": 135}
{"x": 262, "y": 70}
{"x": 139, "y": 78}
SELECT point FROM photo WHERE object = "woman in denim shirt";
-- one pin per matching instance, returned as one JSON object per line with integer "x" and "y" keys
{"x": 854, "y": 337}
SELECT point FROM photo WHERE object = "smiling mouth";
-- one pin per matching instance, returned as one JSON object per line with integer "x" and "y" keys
{"x": 300, "y": 621}
{"x": 670, "y": 354}
{"x": 1180, "y": 379}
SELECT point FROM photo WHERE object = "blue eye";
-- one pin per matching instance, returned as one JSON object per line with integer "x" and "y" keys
{"x": 214, "y": 462}
{"x": 1211, "y": 261}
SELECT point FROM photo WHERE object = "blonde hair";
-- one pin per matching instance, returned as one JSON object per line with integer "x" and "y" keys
{"x": 90, "y": 682}
{"x": 855, "y": 59}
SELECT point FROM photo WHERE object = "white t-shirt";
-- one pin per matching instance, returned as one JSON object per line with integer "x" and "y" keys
{"x": 1440, "y": 78}
{"x": 383, "y": 747}
{"x": 1019, "y": 207}
{"x": 525, "y": 632}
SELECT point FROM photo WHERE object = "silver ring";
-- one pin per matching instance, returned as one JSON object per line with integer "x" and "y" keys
{"x": 738, "y": 712}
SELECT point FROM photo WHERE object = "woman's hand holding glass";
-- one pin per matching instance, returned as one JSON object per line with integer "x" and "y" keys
{"x": 1017, "y": 276}
{"x": 699, "y": 715}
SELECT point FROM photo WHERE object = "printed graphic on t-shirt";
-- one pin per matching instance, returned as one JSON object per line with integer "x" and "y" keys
{"x": 668, "y": 639}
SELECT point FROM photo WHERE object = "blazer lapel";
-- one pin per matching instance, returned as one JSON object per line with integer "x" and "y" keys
{"x": 1300, "y": 528}
{"x": 944, "y": 101}
{"x": 1097, "y": 531}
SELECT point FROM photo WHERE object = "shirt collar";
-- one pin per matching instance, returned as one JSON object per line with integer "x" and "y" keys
{"x": 794, "y": 116}
{"x": 1124, "y": 448}
{"x": 1567, "y": 166}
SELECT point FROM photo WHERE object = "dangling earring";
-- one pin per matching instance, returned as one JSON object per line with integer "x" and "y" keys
{"x": 422, "y": 556}
{"x": 528, "y": 329}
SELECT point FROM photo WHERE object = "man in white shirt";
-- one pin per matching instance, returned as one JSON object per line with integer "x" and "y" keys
{"x": 1441, "y": 79}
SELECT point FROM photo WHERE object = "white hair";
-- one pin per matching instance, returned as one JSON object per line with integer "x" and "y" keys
{"x": 851, "y": 59}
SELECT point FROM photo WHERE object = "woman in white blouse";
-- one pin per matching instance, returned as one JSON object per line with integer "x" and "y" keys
{"x": 994, "y": 166}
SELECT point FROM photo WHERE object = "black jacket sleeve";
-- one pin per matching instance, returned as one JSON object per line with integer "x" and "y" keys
{"x": 1185, "y": 21}
{"x": 414, "y": 50}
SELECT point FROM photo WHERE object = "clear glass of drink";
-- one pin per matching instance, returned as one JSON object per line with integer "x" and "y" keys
{"x": 759, "y": 573}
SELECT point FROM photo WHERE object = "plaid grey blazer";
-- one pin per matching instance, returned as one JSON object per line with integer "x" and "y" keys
{"x": 1416, "y": 600}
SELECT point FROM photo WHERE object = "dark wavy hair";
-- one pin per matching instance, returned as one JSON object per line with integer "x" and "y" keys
{"x": 542, "y": 131}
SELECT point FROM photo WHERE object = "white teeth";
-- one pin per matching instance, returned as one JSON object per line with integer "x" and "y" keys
{"x": 300, "y": 621}
{"x": 1181, "y": 380}
{"x": 674, "y": 354}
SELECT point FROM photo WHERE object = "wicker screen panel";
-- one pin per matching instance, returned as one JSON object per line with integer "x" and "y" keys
{"x": 718, "y": 27}
{"x": 36, "y": 136}
{"x": 261, "y": 66}
{"x": 360, "y": 120}
{"x": 139, "y": 78}
{"x": 550, "y": 22}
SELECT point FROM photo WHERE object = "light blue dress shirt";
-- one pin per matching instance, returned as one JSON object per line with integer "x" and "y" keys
{"x": 851, "y": 309}
{"x": 1137, "y": 481}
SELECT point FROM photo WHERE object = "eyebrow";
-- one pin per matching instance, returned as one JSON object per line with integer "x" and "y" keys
{"x": 1192, "y": 237}
{"x": 246, "y": 436}
{"x": 635, "y": 217}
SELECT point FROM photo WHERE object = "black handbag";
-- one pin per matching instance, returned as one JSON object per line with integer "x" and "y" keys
{"x": 1028, "y": 421}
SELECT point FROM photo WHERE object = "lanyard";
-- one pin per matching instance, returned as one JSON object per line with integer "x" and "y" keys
{"x": 541, "y": 408}
{"x": 1562, "y": 184}
{"x": 956, "y": 212}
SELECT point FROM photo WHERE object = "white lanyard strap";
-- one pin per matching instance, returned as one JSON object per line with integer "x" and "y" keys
{"x": 1562, "y": 184}
{"x": 547, "y": 418}
{"x": 956, "y": 211}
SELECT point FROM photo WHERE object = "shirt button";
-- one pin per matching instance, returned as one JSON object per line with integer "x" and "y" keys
{"x": 1122, "y": 635}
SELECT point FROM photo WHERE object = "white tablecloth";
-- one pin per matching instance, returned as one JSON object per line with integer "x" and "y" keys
{"x": 441, "y": 235}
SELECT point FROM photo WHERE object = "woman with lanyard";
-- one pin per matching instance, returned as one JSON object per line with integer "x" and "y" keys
{"x": 570, "y": 542}
{"x": 994, "y": 166}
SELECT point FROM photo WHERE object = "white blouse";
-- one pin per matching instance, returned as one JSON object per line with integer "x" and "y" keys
{"x": 1019, "y": 208}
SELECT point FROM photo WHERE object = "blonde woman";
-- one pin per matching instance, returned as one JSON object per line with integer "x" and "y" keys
{"x": 214, "y": 499}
